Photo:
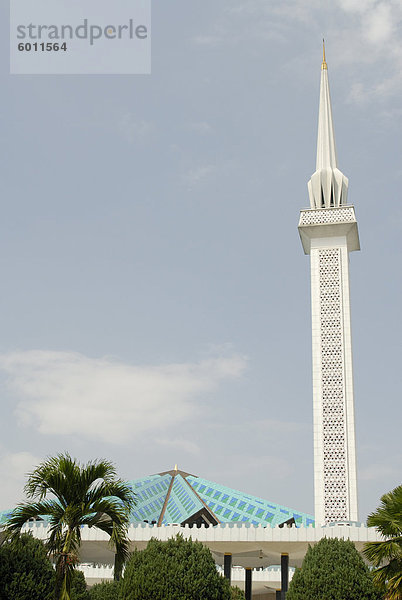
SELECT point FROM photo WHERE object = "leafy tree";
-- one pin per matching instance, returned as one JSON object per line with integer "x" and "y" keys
{"x": 386, "y": 556}
{"x": 108, "y": 590}
{"x": 178, "y": 569}
{"x": 332, "y": 570}
{"x": 25, "y": 570}
{"x": 79, "y": 590}
{"x": 71, "y": 495}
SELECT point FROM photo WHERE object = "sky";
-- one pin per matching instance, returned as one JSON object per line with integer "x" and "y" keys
{"x": 155, "y": 298}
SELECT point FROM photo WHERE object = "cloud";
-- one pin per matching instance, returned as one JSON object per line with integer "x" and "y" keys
{"x": 13, "y": 471}
{"x": 274, "y": 467}
{"x": 356, "y": 6}
{"x": 280, "y": 427}
{"x": 277, "y": 467}
{"x": 201, "y": 127}
{"x": 134, "y": 130}
{"x": 64, "y": 393}
{"x": 378, "y": 24}
{"x": 271, "y": 427}
{"x": 182, "y": 444}
{"x": 197, "y": 175}
{"x": 362, "y": 34}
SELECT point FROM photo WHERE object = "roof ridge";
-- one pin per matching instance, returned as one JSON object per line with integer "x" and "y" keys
{"x": 166, "y": 501}
{"x": 200, "y": 499}
{"x": 175, "y": 472}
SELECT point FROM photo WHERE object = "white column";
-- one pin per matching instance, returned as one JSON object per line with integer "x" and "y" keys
{"x": 334, "y": 437}
{"x": 328, "y": 235}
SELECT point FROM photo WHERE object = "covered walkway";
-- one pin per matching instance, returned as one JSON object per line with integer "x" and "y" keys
{"x": 243, "y": 551}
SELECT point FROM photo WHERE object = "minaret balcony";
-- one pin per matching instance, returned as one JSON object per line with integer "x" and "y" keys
{"x": 328, "y": 223}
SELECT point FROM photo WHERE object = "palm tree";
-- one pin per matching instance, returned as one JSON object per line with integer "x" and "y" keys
{"x": 70, "y": 495}
{"x": 386, "y": 556}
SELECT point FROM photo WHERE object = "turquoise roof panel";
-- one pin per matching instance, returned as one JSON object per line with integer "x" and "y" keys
{"x": 4, "y": 515}
{"x": 151, "y": 493}
{"x": 234, "y": 506}
{"x": 178, "y": 496}
{"x": 182, "y": 503}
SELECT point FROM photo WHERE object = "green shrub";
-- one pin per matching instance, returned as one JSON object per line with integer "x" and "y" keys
{"x": 332, "y": 570}
{"x": 105, "y": 591}
{"x": 79, "y": 590}
{"x": 237, "y": 593}
{"x": 178, "y": 569}
{"x": 25, "y": 570}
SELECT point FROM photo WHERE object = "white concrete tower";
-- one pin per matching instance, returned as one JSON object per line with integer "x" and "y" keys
{"x": 328, "y": 232}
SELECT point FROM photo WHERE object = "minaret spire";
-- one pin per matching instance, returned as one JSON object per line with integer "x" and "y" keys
{"x": 324, "y": 63}
{"x": 328, "y": 232}
{"x": 328, "y": 186}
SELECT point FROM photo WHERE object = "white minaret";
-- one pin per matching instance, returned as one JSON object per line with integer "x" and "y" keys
{"x": 328, "y": 232}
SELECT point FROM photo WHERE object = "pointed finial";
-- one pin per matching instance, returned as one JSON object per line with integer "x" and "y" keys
{"x": 323, "y": 64}
{"x": 175, "y": 467}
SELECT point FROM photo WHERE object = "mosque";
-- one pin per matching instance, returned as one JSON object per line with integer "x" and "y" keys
{"x": 257, "y": 542}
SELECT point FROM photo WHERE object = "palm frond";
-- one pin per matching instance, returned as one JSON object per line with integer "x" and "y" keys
{"x": 388, "y": 516}
{"x": 378, "y": 552}
{"x": 387, "y": 554}
{"x": 55, "y": 477}
{"x": 98, "y": 470}
{"x": 113, "y": 508}
{"x": 24, "y": 512}
{"x": 117, "y": 489}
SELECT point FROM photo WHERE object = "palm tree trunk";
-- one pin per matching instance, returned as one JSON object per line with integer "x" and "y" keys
{"x": 118, "y": 567}
{"x": 63, "y": 579}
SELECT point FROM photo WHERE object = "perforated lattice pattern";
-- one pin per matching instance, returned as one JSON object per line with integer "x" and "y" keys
{"x": 333, "y": 403}
{"x": 327, "y": 215}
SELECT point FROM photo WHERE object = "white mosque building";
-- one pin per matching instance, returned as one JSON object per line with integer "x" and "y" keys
{"x": 254, "y": 541}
